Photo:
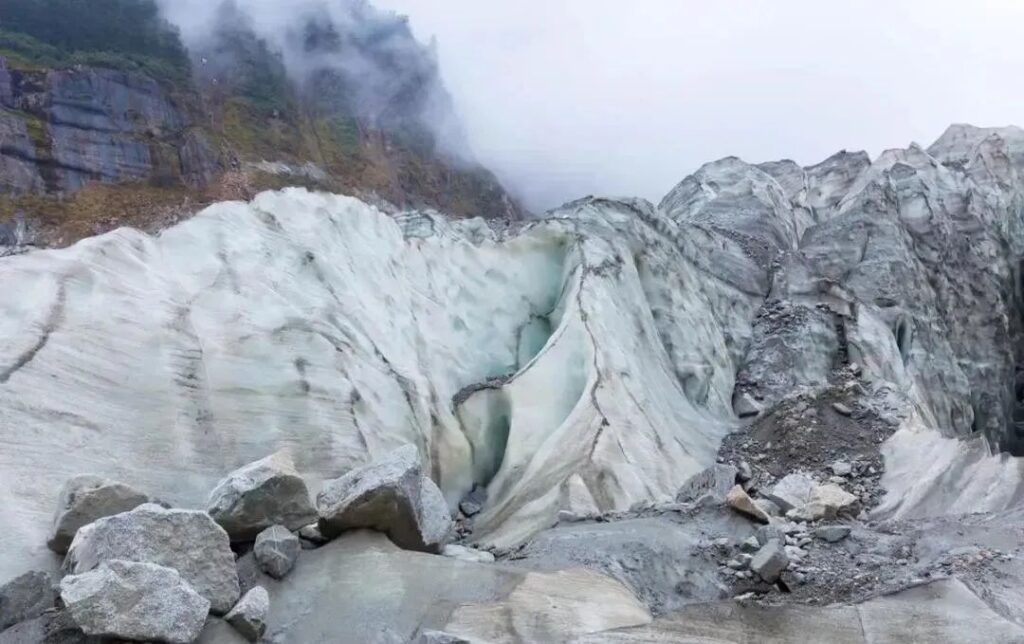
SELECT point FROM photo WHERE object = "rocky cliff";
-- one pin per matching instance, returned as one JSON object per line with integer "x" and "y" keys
{"x": 98, "y": 130}
{"x": 620, "y": 387}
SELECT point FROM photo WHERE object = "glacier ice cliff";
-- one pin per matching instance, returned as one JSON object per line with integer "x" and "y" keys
{"x": 590, "y": 360}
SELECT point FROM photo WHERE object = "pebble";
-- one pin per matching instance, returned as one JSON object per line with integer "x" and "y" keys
{"x": 842, "y": 409}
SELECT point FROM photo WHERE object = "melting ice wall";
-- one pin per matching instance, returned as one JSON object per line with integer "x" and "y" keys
{"x": 592, "y": 360}
{"x": 532, "y": 362}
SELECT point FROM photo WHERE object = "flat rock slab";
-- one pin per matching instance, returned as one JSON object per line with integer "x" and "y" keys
{"x": 943, "y": 611}
{"x": 185, "y": 540}
{"x": 393, "y": 595}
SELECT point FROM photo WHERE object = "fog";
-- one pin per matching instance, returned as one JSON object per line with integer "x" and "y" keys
{"x": 564, "y": 98}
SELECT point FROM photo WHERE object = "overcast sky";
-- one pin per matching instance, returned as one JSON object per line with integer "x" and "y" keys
{"x": 565, "y": 98}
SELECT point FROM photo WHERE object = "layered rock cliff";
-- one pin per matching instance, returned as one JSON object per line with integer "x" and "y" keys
{"x": 98, "y": 129}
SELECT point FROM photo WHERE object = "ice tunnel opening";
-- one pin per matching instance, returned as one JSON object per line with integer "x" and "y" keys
{"x": 486, "y": 418}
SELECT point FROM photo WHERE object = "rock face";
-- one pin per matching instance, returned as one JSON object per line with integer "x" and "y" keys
{"x": 276, "y": 550}
{"x": 135, "y": 601}
{"x": 391, "y": 496}
{"x": 25, "y": 598}
{"x": 184, "y": 540}
{"x": 260, "y": 495}
{"x": 249, "y": 616}
{"x": 84, "y": 499}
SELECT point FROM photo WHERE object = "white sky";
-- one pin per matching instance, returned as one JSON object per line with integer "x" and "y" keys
{"x": 564, "y": 98}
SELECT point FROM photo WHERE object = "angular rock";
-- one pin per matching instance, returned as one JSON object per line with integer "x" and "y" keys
{"x": 769, "y": 532}
{"x": 83, "y": 499}
{"x": 391, "y": 496}
{"x": 738, "y": 500}
{"x": 474, "y": 502}
{"x": 25, "y": 598}
{"x": 842, "y": 409}
{"x": 750, "y": 544}
{"x": 841, "y": 468}
{"x": 276, "y": 551}
{"x": 249, "y": 616}
{"x": 827, "y": 502}
{"x": 262, "y": 494}
{"x": 768, "y": 507}
{"x": 185, "y": 540}
{"x": 711, "y": 485}
{"x": 135, "y": 601}
{"x": 793, "y": 491}
{"x": 770, "y": 561}
{"x": 312, "y": 533}
{"x": 471, "y": 555}
{"x": 832, "y": 533}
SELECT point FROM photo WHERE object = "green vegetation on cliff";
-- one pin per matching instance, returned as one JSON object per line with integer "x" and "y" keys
{"x": 120, "y": 34}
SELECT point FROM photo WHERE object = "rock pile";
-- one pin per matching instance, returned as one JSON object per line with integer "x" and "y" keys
{"x": 135, "y": 570}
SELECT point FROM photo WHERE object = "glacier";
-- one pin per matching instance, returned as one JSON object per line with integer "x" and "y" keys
{"x": 589, "y": 361}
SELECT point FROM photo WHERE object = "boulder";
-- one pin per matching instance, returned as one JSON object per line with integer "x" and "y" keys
{"x": 52, "y": 627}
{"x": 391, "y": 496}
{"x": 793, "y": 491}
{"x": 711, "y": 485}
{"x": 473, "y": 503}
{"x": 276, "y": 551}
{"x": 827, "y": 502}
{"x": 262, "y": 494}
{"x": 841, "y": 468}
{"x": 83, "y": 499}
{"x": 770, "y": 561}
{"x": 25, "y": 598}
{"x": 249, "y": 616}
{"x": 750, "y": 544}
{"x": 767, "y": 533}
{"x": 135, "y": 601}
{"x": 832, "y": 533}
{"x": 738, "y": 500}
{"x": 185, "y": 540}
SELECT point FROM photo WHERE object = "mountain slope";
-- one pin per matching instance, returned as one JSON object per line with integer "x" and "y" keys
{"x": 106, "y": 120}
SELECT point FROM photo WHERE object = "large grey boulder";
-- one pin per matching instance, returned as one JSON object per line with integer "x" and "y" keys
{"x": 770, "y": 561}
{"x": 25, "y": 598}
{"x": 83, "y": 499}
{"x": 186, "y": 540}
{"x": 390, "y": 496}
{"x": 135, "y": 601}
{"x": 262, "y": 494}
{"x": 249, "y": 616}
{"x": 276, "y": 550}
{"x": 711, "y": 485}
{"x": 793, "y": 491}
